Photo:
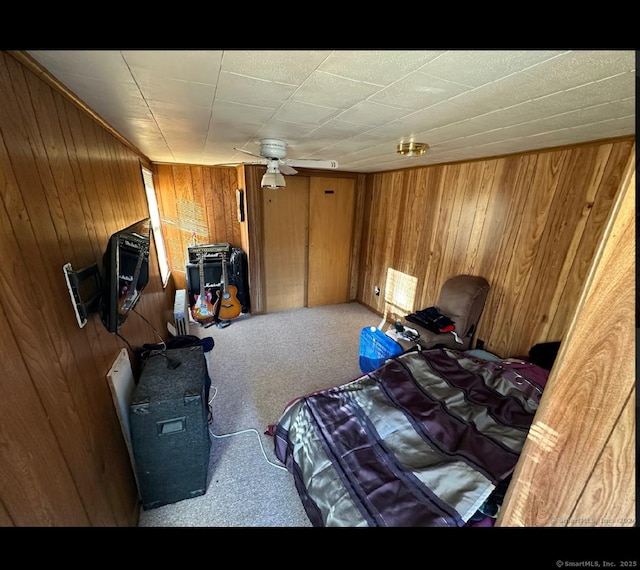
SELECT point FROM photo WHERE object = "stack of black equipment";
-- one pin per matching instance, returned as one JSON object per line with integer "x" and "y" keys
{"x": 213, "y": 254}
{"x": 168, "y": 418}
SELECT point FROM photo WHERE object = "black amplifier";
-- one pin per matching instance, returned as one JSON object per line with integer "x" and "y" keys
{"x": 168, "y": 418}
{"x": 208, "y": 252}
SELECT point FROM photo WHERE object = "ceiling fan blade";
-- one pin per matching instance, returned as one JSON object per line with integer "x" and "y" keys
{"x": 311, "y": 163}
{"x": 260, "y": 158}
{"x": 286, "y": 169}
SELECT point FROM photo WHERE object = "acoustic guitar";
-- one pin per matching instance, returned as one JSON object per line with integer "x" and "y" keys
{"x": 202, "y": 308}
{"x": 227, "y": 306}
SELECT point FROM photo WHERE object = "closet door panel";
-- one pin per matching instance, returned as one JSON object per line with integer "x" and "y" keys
{"x": 286, "y": 222}
{"x": 331, "y": 204}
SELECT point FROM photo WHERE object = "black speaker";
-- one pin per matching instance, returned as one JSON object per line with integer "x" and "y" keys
{"x": 168, "y": 418}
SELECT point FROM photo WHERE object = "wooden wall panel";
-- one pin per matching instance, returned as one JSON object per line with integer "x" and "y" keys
{"x": 197, "y": 205}
{"x": 609, "y": 497}
{"x": 66, "y": 184}
{"x": 578, "y": 462}
{"x": 529, "y": 223}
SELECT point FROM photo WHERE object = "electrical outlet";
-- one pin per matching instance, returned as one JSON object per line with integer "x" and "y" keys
{"x": 376, "y": 290}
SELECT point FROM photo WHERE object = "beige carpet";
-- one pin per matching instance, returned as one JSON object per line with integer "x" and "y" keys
{"x": 259, "y": 364}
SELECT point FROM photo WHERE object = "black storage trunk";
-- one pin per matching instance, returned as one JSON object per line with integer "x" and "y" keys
{"x": 168, "y": 418}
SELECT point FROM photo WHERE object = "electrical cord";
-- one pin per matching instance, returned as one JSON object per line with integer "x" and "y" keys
{"x": 172, "y": 363}
{"x": 221, "y": 436}
{"x": 125, "y": 341}
{"x": 162, "y": 341}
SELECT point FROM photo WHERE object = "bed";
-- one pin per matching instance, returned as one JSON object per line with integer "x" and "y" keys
{"x": 430, "y": 439}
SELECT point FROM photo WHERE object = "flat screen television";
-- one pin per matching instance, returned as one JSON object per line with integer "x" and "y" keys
{"x": 125, "y": 273}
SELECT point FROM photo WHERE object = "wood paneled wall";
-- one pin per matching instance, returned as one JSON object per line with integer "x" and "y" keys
{"x": 529, "y": 223}
{"x": 577, "y": 466}
{"x": 197, "y": 204}
{"x": 66, "y": 184}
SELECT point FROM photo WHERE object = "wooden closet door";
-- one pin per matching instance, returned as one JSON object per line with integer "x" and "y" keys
{"x": 286, "y": 222}
{"x": 331, "y": 204}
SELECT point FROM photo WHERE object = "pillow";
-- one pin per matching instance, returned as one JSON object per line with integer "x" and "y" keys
{"x": 482, "y": 354}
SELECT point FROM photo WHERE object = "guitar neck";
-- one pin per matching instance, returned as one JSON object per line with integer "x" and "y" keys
{"x": 201, "y": 270}
{"x": 224, "y": 273}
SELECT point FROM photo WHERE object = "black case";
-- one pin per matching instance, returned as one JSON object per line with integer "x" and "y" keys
{"x": 168, "y": 418}
{"x": 238, "y": 272}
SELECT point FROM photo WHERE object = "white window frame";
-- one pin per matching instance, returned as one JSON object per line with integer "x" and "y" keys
{"x": 154, "y": 214}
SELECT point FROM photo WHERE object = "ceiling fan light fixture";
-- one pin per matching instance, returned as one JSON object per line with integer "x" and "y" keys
{"x": 273, "y": 180}
{"x": 412, "y": 148}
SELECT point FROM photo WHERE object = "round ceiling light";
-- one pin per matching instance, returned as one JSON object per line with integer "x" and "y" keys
{"x": 412, "y": 148}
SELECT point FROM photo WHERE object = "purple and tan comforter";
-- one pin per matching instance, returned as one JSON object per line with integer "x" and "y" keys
{"x": 422, "y": 441}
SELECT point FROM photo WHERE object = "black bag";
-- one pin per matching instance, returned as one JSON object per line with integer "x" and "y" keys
{"x": 544, "y": 354}
{"x": 432, "y": 320}
{"x": 238, "y": 272}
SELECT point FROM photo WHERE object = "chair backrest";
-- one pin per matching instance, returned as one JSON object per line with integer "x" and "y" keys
{"x": 462, "y": 299}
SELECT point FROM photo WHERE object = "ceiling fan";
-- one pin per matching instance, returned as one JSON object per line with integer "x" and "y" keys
{"x": 273, "y": 153}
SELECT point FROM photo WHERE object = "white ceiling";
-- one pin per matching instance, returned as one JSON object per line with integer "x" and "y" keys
{"x": 194, "y": 107}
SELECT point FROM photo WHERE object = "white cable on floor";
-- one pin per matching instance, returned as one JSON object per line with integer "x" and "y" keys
{"x": 220, "y": 436}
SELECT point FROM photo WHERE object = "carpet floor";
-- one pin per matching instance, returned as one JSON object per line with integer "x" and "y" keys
{"x": 257, "y": 366}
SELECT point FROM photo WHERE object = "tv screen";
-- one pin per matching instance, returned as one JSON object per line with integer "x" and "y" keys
{"x": 125, "y": 273}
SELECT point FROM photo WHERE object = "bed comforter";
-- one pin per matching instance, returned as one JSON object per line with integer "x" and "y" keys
{"x": 422, "y": 441}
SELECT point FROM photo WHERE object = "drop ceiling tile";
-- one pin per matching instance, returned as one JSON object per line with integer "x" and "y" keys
{"x": 290, "y": 132}
{"x": 590, "y": 115}
{"x": 171, "y": 114}
{"x": 417, "y": 91}
{"x": 516, "y": 88}
{"x": 605, "y": 129}
{"x": 398, "y": 130}
{"x": 617, "y": 88}
{"x": 479, "y": 67}
{"x": 185, "y": 93}
{"x": 198, "y": 66}
{"x": 228, "y": 139}
{"x": 230, "y": 113}
{"x": 438, "y": 115}
{"x": 327, "y": 134}
{"x": 357, "y": 143}
{"x": 305, "y": 113}
{"x": 368, "y": 113}
{"x": 376, "y": 67}
{"x": 250, "y": 91}
{"x": 462, "y": 130}
{"x": 579, "y": 67}
{"x": 284, "y": 66}
{"x": 332, "y": 91}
